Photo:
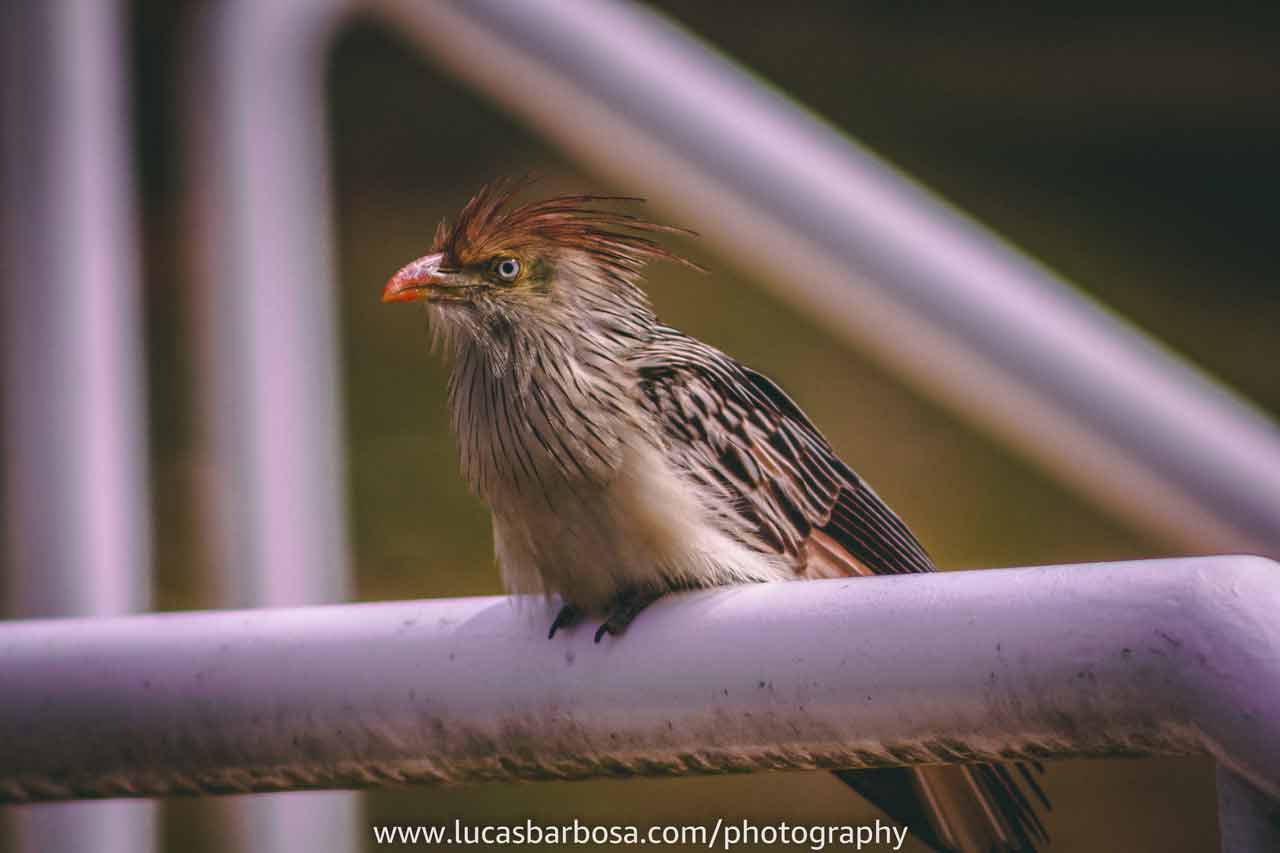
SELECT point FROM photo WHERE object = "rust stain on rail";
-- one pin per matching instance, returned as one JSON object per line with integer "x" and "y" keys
{"x": 521, "y": 748}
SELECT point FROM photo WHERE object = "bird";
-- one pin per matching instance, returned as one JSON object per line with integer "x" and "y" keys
{"x": 623, "y": 460}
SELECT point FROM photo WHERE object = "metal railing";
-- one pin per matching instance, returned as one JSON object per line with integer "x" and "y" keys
{"x": 1159, "y": 657}
{"x": 869, "y": 254}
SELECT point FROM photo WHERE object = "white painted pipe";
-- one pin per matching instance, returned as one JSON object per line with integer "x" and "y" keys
{"x": 1166, "y": 657}
{"x": 271, "y": 389}
{"x": 77, "y": 507}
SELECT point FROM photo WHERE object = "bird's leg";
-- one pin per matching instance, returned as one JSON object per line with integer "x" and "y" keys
{"x": 568, "y": 616}
{"x": 624, "y": 609}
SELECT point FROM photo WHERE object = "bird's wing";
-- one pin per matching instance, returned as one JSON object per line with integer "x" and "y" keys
{"x": 733, "y": 430}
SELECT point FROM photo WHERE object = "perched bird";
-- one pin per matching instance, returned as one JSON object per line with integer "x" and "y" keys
{"x": 623, "y": 459}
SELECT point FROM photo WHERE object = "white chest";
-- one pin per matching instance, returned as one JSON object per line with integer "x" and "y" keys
{"x": 587, "y": 501}
{"x": 646, "y": 527}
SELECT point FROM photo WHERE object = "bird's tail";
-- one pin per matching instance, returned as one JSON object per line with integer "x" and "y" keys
{"x": 979, "y": 808}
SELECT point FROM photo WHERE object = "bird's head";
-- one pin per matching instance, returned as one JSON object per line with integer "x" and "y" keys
{"x": 562, "y": 266}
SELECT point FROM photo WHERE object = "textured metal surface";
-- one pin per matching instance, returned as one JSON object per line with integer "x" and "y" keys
{"x": 76, "y": 504}
{"x": 875, "y": 258}
{"x": 1152, "y": 658}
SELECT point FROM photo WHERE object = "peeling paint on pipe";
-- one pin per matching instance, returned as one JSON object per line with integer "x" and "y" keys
{"x": 1164, "y": 657}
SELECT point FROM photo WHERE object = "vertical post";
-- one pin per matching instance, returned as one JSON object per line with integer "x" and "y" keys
{"x": 75, "y": 443}
{"x": 269, "y": 361}
{"x": 1249, "y": 820}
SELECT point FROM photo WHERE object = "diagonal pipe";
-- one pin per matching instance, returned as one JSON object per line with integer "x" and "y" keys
{"x": 876, "y": 258}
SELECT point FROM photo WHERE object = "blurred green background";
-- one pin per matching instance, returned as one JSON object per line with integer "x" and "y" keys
{"x": 1134, "y": 153}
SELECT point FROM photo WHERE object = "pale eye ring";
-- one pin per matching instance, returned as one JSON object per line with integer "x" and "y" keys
{"x": 507, "y": 269}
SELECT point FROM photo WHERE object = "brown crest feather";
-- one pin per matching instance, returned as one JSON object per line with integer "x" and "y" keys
{"x": 489, "y": 225}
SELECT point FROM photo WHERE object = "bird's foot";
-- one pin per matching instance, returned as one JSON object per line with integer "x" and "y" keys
{"x": 624, "y": 610}
{"x": 568, "y": 616}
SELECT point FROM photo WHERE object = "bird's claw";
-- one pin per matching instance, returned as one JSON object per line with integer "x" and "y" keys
{"x": 624, "y": 610}
{"x": 607, "y": 627}
{"x": 568, "y": 616}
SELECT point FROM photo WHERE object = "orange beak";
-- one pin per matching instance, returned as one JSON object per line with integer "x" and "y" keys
{"x": 415, "y": 280}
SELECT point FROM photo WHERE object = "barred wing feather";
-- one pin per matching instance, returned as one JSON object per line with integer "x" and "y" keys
{"x": 787, "y": 492}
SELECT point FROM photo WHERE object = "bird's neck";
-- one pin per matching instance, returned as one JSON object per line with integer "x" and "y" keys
{"x": 546, "y": 408}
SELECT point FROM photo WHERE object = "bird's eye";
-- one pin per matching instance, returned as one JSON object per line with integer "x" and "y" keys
{"x": 507, "y": 269}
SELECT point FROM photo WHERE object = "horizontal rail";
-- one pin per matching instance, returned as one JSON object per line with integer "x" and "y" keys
{"x": 1166, "y": 657}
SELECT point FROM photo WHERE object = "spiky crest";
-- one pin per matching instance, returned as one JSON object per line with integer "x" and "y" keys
{"x": 489, "y": 225}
